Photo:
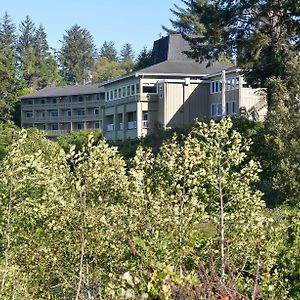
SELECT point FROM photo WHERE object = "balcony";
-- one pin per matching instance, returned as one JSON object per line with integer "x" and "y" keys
{"x": 131, "y": 125}
{"x": 63, "y": 118}
{"x": 110, "y": 127}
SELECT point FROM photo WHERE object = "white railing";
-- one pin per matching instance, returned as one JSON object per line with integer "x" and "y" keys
{"x": 132, "y": 125}
{"x": 109, "y": 127}
{"x": 145, "y": 124}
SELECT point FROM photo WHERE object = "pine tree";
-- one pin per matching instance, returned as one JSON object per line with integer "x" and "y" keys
{"x": 109, "y": 51}
{"x": 127, "y": 52}
{"x": 26, "y": 52}
{"x": 261, "y": 35}
{"x": 127, "y": 57}
{"x": 9, "y": 83}
{"x": 144, "y": 59}
{"x": 46, "y": 69}
{"x": 7, "y": 32}
{"x": 77, "y": 55}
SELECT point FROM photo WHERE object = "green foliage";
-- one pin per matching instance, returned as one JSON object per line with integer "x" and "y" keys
{"x": 76, "y": 55}
{"x": 8, "y": 132}
{"x": 109, "y": 51}
{"x": 102, "y": 229}
{"x": 105, "y": 69}
{"x": 79, "y": 139}
{"x": 143, "y": 60}
{"x": 37, "y": 66}
{"x": 263, "y": 36}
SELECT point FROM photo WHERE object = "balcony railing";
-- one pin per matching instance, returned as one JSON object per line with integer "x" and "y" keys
{"x": 132, "y": 125}
{"x": 87, "y": 117}
{"x": 109, "y": 127}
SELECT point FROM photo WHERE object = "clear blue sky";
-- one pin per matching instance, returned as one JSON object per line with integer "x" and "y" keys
{"x": 135, "y": 21}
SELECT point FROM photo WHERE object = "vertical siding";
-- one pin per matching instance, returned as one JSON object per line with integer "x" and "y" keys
{"x": 174, "y": 113}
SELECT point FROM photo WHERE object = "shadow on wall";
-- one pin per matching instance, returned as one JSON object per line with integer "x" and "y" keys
{"x": 183, "y": 109}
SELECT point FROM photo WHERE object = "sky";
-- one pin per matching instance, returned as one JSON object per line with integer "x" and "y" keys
{"x": 138, "y": 22}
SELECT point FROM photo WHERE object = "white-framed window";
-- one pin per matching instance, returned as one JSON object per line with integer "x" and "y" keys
{"x": 227, "y": 108}
{"x": 111, "y": 95}
{"x": 213, "y": 110}
{"x": 233, "y": 107}
{"x": 219, "y": 109}
{"x": 132, "y": 90}
{"x": 137, "y": 88}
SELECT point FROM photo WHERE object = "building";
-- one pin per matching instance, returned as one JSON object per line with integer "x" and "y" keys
{"x": 59, "y": 110}
{"x": 172, "y": 92}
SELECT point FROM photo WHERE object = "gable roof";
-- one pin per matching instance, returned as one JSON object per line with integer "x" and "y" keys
{"x": 69, "y": 90}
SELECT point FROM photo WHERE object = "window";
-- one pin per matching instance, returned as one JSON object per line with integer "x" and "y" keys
{"x": 217, "y": 88}
{"x": 123, "y": 91}
{"x": 227, "y": 108}
{"x": 213, "y": 110}
{"x": 149, "y": 88}
{"x": 145, "y": 119}
{"x": 111, "y": 95}
{"x": 80, "y": 99}
{"x": 53, "y": 126}
{"x": 69, "y": 113}
{"x": 128, "y": 91}
{"x": 80, "y": 126}
{"x": 219, "y": 108}
{"x": 53, "y": 113}
{"x": 132, "y": 90}
{"x": 29, "y": 114}
{"x": 106, "y": 96}
{"x": 119, "y": 93}
{"x": 137, "y": 88}
{"x": 233, "y": 108}
{"x": 96, "y": 111}
{"x": 115, "y": 93}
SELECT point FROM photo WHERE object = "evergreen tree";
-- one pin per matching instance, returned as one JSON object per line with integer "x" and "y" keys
{"x": 9, "y": 83}
{"x": 26, "y": 52}
{"x": 144, "y": 59}
{"x": 127, "y": 57}
{"x": 46, "y": 69}
{"x": 7, "y": 32}
{"x": 109, "y": 51}
{"x": 76, "y": 55}
{"x": 261, "y": 35}
{"x": 26, "y": 38}
{"x": 127, "y": 53}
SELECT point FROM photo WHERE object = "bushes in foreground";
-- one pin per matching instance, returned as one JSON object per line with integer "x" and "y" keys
{"x": 182, "y": 224}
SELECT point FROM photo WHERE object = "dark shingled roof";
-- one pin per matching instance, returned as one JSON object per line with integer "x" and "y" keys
{"x": 170, "y": 48}
{"x": 184, "y": 67}
{"x": 69, "y": 90}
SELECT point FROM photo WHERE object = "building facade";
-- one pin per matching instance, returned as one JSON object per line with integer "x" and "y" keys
{"x": 59, "y": 110}
{"x": 172, "y": 92}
